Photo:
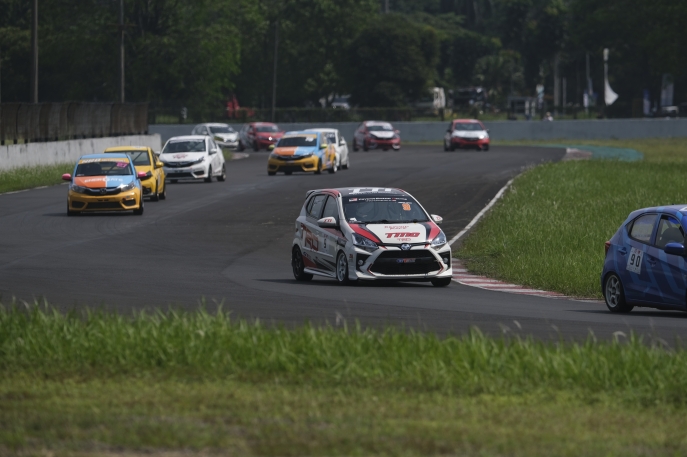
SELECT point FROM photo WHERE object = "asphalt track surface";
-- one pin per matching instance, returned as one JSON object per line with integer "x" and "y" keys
{"x": 230, "y": 243}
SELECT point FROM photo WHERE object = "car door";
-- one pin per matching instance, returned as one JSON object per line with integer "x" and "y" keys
{"x": 669, "y": 269}
{"x": 311, "y": 238}
{"x": 329, "y": 236}
{"x": 636, "y": 255}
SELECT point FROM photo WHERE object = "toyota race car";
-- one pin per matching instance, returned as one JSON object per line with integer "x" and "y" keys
{"x": 369, "y": 234}
{"x": 645, "y": 261}
{"x": 303, "y": 151}
{"x": 466, "y": 133}
{"x": 376, "y": 135}
{"x": 104, "y": 182}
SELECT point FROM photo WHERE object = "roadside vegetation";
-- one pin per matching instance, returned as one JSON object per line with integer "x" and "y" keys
{"x": 549, "y": 230}
{"x": 105, "y": 384}
{"x": 29, "y": 177}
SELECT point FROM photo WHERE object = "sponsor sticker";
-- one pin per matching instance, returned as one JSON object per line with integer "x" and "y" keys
{"x": 405, "y": 206}
{"x": 122, "y": 164}
{"x": 634, "y": 262}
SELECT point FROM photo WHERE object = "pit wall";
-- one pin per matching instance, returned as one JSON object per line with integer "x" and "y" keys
{"x": 57, "y": 152}
{"x": 498, "y": 130}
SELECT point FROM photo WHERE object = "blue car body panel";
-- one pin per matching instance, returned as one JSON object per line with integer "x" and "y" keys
{"x": 650, "y": 276}
{"x": 315, "y": 150}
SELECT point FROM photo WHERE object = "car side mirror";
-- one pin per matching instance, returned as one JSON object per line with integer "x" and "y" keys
{"x": 159, "y": 164}
{"x": 142, "y": 174}
{"x": 328, "y": 222}
{"x": 66, "y": 177}
{"x": 323, "y": 146}
{"x": 270, "y": 147}
{"x": 213, "y": 151}
{"x": 675, "y": 249}
{"x": 437, "y": 219}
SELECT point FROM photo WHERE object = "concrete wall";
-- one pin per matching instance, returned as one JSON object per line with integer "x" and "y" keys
{"x": 54, "y": 152}
{"x": 499, "y": 130}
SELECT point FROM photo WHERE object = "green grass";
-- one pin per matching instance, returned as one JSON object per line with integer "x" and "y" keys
{"x": 549, "y": 229}
{"x": 105, "y": 384}
{"x": 29, "y": 177}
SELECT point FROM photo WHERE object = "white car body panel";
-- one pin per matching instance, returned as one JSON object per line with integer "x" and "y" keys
{"x": 180, "y": 165}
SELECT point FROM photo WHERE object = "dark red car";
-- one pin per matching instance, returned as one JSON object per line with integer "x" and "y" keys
{"x": 259, "y": 135}
{"x": 466, "y": 133}
{"x": 376, "y": 135}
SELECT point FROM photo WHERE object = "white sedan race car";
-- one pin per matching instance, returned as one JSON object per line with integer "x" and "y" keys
{"x": 367, "y": 234}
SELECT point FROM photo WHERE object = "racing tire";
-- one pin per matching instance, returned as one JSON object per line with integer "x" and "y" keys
{"x": 365, "y": 147}
{"x": 334, "y": 168}
{"x": 348, "y": 164}
{"x": 156, "y": 196}
{"x": 452, "y": 148}
{"x": 223, "y": 176}
{"x": 256, "y": 148}
{"x": 355, "y": 146}
{"x": 319, "y": 167}
{"x": 342, "y": 269}
{"x": 446, "y": 147}
{"x": 298, "y": 266}
{"x": 485, "y": 147}
{"x": 614, "y": 295}
{"x": 163, "y": 194}
{"x": 441, "y": 282}
{"x": 240, "y": 147}
{"x": 287, "y": 173}
{"x": 209, "y": 178}
{"x": 139, "y": 211}
{"x": 271, "y": 173}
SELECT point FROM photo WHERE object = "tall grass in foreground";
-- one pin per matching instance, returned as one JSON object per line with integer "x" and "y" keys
{"x": 549, "y": 230}
{"x": 198, "y": 344}
{"x": 28, "y": 177}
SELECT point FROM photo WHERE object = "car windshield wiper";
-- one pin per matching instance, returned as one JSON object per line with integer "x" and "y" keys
{"x": 382, "y": 221}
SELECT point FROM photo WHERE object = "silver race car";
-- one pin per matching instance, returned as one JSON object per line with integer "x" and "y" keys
{"x": 366, "y": 234}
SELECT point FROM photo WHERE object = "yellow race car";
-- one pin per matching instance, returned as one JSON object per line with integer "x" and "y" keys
{"x": 146, "y": 161}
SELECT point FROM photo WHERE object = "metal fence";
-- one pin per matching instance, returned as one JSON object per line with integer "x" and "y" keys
{"x": 39, "y": 122}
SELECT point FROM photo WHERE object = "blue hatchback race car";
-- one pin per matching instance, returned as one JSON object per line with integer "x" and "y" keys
{"x": 645, "y": 261}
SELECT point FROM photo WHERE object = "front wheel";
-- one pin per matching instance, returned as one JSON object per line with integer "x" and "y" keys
{"x": 441, "y": 282}
{"x": 70, "y": 212}
{"x": 355, "y": 146}
{"x": 365, "y": 147}
{"x": 298, "y": 266}
{"x": 334, "y": 168}
{"x": 163, "y": 194}
{"x": 319, "y": 167}
{"x": 223, "y": 175}
{"x": 342, "y": 269}
{"x": 209, "y": 178}
{"x": 446, "y": 146}
{"x": 485, "y": 147}
{"x": 615, "y": 295}
{"x": 139, "y": 211}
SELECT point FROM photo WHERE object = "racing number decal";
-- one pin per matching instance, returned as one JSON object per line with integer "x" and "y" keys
{"x": 634, "y": 262}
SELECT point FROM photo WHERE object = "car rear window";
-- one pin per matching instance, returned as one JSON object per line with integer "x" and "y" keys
{"x": 139, "y": 157}
{"x": 315, "y": 206}
{"x": 643, "y": 227}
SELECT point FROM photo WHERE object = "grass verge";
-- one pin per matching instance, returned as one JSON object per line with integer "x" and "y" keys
{"x": 103, "y": 384}
{"x": 549, "y": 229}
{"x": 28, "y": 177}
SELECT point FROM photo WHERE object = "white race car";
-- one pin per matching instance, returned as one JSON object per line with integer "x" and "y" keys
{"x": 366, "y": 234}
{"x": 193, "y": 157}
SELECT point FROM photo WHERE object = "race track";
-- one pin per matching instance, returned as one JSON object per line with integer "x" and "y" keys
{"x": 230, "y": 242}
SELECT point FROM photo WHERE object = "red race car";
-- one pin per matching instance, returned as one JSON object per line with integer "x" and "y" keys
{"x": 466, "y": 133}
{"x": 376, "y": 135}
{"x": 259, "y": 135}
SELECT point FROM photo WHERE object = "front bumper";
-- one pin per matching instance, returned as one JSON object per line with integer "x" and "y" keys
{"x": 469, "y": 142}
{"x": 228, "y": 144}
{"x": 265, "y": 142}
{"x": 375, "y": 143}
{"x": 124, "y": 201}
{"x": 421, "y": 263}
{"x": 192, "y": 172}
{"x": 307, "y": 164}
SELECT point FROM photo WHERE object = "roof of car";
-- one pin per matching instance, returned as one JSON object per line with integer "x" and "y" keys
{"x": 301, "y": 132}
{"x": 109, "y": 157}
{"x": 377, "y": 123}
{"x": 126, "y": 148}
{"x": 187, "y": 137}
{"x": 214, "y": 124}
{"x": 473, "y": 121}
{"x": 263, "y": 123}
{"x": 367, "y": 191}
{"x": 322, "y": 130}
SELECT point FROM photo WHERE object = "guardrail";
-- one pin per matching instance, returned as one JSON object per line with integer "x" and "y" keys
{"x": 40, "y": 122}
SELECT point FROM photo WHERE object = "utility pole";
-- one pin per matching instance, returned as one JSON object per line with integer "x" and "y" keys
{"x": 386, "y": 6}
{"x": 274, "y": 73}
{"x": 34, "y": 53}
{"x": 121, "y": 51}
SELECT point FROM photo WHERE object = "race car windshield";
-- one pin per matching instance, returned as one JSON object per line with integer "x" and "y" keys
{"x": 468, "y": 126}
{"x": 267, "y": 128}
{"x": 373, "y": 128}
{"x": 139, "y": 157}
{"x": 184, "y": 146}
{"x": 221, "y": 130}
{"x": 103, "y": 168}
{"x": 294, "y": 141}
{"x": 382, "y": 210}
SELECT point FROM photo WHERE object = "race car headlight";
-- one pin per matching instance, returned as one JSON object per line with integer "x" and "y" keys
{"x": 77, "y": 189}
{"x": 483, "y": 136}
{"x": 364, "y": 243}
{"x": 439, "y": 240}
{"x": 198, "y": 161}
{"x": 125, "y": 187}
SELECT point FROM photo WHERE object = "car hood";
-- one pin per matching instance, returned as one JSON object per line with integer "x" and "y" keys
{"x": 269, "y": 134}
{"x": 99, "y": 182}
{"x": 182, "y": 157}
{"x": 383, "y": 134}
{"x": 296, "y": 151}
{"x": 470, "y": 133}
{"x": 421, "y": 232}
{"x": 226, "y": 136}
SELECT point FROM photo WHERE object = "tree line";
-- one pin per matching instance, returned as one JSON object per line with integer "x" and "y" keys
{"x": 201, "y": 52}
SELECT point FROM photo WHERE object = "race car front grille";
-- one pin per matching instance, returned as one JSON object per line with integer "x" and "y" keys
{"x": 401, "y": 263}
{"x": 178, "y": 164}
{"x": 174, "y": 175}
{"x": 103, "y": 191}
{"x": 104, "y": 205}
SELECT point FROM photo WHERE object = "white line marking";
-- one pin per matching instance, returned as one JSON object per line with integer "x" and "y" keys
{"x": 481, "y": 213}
